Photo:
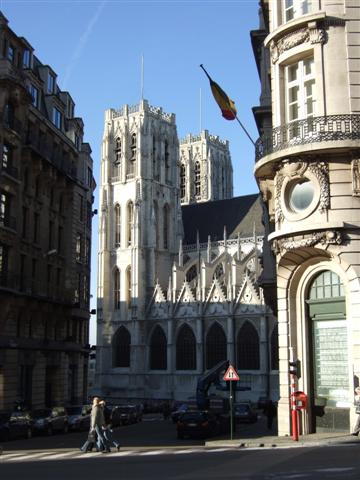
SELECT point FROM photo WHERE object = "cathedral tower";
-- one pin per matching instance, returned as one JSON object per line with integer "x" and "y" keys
{"x": 139, "y": 229}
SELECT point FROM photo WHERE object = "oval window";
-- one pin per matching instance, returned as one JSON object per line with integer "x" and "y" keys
{"x": 301, "y": 195}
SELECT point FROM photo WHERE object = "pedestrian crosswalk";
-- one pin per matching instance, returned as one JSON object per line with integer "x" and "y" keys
{"x": 76, "y": 455}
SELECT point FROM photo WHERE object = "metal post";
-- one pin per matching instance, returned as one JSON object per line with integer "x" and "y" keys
{"x": 231, "y": 412}
{"x": 294, "y": 412}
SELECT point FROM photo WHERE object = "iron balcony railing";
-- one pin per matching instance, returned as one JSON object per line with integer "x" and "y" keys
{"x": 310, "y": 130}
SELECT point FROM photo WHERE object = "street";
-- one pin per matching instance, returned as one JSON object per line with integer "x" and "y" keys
{"x": 151, "y": 450}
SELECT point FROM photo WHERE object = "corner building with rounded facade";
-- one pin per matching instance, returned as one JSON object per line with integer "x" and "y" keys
{"x": 308, "y": 171}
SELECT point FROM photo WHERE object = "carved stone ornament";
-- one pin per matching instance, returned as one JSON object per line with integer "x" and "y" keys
{"x": 355, "y": 170}
{"x": 321, "y": 172}
{"x": 329, "y": 237}
{"x": 297, "y": 37}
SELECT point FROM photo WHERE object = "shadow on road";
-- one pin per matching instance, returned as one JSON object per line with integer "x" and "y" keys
{"x": 152, "y": 432}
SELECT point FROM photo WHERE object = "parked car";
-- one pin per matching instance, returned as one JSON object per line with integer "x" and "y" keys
{"x": 124, "y": 415}
{"x": 50, "y": 420}
{"x": 79, "y": 417}
{"x": 15, "y": 424}
{"x": 198, "y": 424}
{"x": 181, "y": 409}
{"x": 244, "y": 412}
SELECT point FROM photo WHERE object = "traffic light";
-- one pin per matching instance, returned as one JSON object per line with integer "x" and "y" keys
{"x": 295, "y": 368}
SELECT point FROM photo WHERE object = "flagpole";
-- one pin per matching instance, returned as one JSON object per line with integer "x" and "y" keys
{"x": 142, "y": 77}
{"x": 200, "y": 112}
{"x": 247, "y": 133}
{"x": 241, "y": 125}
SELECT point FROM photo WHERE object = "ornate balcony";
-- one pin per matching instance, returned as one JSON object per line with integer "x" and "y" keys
{"x": 311, "y": 130}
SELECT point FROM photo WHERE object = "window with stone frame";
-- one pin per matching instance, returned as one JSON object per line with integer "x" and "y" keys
{"x": 118, "y": 151}
{"x": 185, "y": 349}
{"x": 156, "y": 223}
{"x": 6, "y": 158}
{"x": 248, "y": 348}
{"x": 215, "y": 346}
{"x": 4, "y": 257}
{"x": 5, "y": 206}
{"x": 274, "y": 348}
{"x": 121, "y": 344}
{"x": 117, "y": 225}
{"x": 296, "y": 8}
{"x": 191, "y": 273}
{"x": 166, "y": 227}
{"x": 197, "y": 179}
{"x": 116, "y": 289}
{"x": 300, "y": 98}
{"x": 167, "y": 162}
{"x": 182, "y": 181}
{"x": 132, "y": 160}
{"x": 130, "y": 223}
{"x": 155, "y": 160}
{"x": 128, "y": 286}
{"x": 158, "y": 349}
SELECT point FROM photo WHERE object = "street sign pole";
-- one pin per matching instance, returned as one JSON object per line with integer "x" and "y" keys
{"x": 231, "y": 376}
{"x": 231, "y": 412}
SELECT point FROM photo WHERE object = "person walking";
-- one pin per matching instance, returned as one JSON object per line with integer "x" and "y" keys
{"x": 108, "y": 431}
{"x": 356, "y": 430}
{"x": 97, "y": 423}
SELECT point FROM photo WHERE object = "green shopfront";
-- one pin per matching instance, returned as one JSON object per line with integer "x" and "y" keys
{"x": 328, "y": 354}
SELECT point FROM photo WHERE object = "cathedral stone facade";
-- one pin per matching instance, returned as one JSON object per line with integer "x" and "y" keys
{"x": 177, "y": 285}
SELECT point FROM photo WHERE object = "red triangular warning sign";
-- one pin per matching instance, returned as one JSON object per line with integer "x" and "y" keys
{"x": 231, "y": 375}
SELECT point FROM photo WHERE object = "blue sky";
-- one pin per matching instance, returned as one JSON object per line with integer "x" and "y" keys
{"x": 95, "y": 47}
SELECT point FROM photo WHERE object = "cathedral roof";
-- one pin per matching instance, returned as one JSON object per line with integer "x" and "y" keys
{"x": 238, "y": 214}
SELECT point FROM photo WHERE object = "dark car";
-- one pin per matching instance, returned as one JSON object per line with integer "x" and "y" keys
{"x": 244, "y": 412}
{"x": 124, "y": 415}
{"x": 50, "y": 420}
{"x": 79, "y": 417}
{"x": 198, "y": 424}
{"x": 181, "y": 409}
{"x": 15, "y": 424}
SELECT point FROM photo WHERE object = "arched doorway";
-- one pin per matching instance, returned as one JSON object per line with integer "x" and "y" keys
{"x": 328, "y": 353}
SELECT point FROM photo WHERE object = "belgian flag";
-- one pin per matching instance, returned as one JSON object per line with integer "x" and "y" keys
{"x": 227, "y": 106}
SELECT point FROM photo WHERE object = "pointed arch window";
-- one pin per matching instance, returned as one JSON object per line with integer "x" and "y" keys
{"x": 185, "y": 349}
{"x": 116, "y": 289}
{"x": 130, "y": 223}
{"x": 156, "y": 224}
{"x": 158, "y": 350}
{"x": 167, "y": 162}
{"x": 166, "y": 227}
{"x": 128, "y": 286}
{"x": 197, "y": 179}
{"x": 133, "y": 151}
{"x": 155, "y": 160}
{"x": 118, "y": 150}
{"x": 216, "y": 346}
{"x": 274, "y": 346}
{"x": 117, "y": 225}
{"x": 182, "y": 181}
{"x": 121, "y": 348}
{"x": 248, "y": 348}
{"x": 191, "y": 274}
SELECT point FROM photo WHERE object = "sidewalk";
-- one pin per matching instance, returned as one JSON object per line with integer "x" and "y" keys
{"x": 258, "y": 436}
{"x": 311, "y": 440}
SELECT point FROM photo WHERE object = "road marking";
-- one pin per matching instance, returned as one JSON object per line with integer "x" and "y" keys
{"x": 189, "y": 450}
{"x": 154, "y": 452}
{"x": 75, "y": 455}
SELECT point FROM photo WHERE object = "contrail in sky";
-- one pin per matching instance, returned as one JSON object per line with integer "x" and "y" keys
{"x": 82, "y": 43}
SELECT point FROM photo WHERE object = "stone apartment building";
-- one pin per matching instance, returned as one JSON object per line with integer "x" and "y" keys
{"x": 46, "y": 196}
{"x": 308, "y": 170}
